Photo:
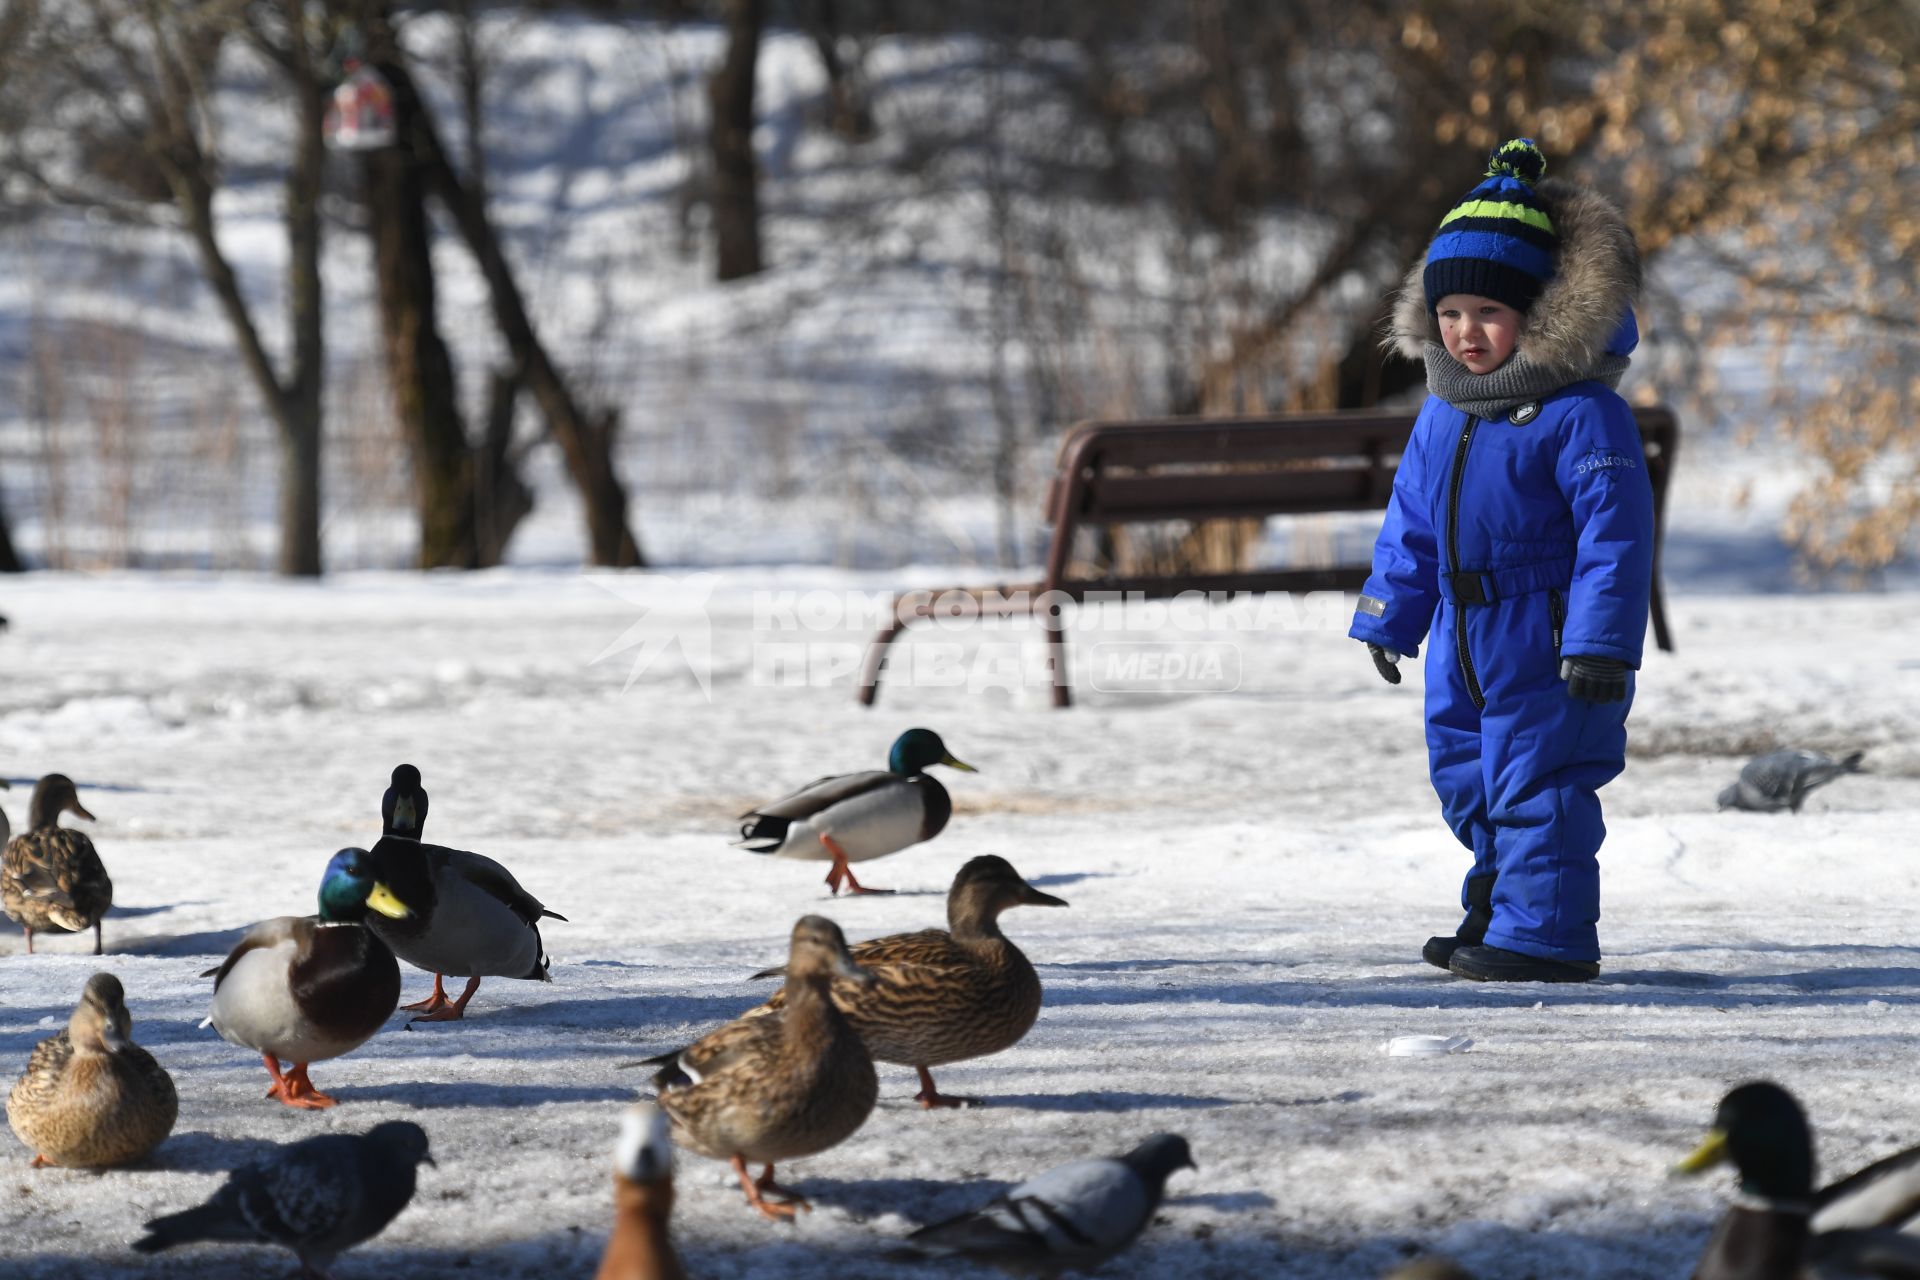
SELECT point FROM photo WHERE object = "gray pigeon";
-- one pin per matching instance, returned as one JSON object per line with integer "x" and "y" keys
{"x": 1782, "y": 779}
{"x": 319, "y": 1197}
{"x": 1072, "y": 1218}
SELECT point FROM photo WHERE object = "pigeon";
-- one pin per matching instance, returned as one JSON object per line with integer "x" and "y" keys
{"x": 641, "y": 1247}
{"x": 1071, "y": 1218}
{"x": 1782, "y": 779}
{"x": 318, "y": 1197}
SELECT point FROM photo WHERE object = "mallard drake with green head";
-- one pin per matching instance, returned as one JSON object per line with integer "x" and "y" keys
{"x": 308, "y": 988}
{"x": 91, "y": 1097}
{"x": 774, "y": 1088}
{"x": 470, "y": 918}
{"x": 856, "y": 817}
{"x": 945, "y": 995}
{"x": 1780, "y": 1228}
{"x": 51, "y": 879}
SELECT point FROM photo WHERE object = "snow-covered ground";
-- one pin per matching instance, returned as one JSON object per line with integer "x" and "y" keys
{"x": 1251, "y": 875}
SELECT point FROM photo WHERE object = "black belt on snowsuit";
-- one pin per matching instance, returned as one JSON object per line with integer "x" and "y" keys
{"x": 1485, "y": 586}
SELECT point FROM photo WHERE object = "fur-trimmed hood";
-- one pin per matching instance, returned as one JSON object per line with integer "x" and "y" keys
{"x": 1596, "y": 281}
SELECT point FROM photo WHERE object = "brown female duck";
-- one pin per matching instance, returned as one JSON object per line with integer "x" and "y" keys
{"x": 775, "y": 1088}
{"x": 51, "y": 879}
{"x": 91, "y": 1097}
{"x": 945, "y": 995}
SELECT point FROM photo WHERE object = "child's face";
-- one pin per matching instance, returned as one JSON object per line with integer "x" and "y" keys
{"x": 1477, "y": 331}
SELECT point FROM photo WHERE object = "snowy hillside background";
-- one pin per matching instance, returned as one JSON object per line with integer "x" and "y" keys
{"x": 857, "y": 375}
{"x": 1251, "y": 874}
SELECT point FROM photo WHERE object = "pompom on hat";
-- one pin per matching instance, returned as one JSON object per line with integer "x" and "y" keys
{"x": 1499, "y": 242}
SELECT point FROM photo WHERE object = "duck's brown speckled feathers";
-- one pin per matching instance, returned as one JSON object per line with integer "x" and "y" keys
{"x": 105, "y": 1102}
{"x": 945, "y": 995}
{"x": 52, "y": 879}
{"x": 776, "y": 1087}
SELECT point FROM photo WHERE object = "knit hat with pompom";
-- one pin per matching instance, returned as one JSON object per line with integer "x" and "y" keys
{"x": 1499, "y": 242}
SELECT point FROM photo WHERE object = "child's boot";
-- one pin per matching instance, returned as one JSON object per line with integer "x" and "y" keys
{"x": 1497, "y": 964}
{"x": 1479, "y": 895}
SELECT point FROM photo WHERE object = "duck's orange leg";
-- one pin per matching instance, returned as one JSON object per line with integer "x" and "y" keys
{"x": 930, "y": 1097}
{"x": 841, "y": 871}
{"x": 779, "y": 1210}
{"x": 448, "y": 1010}
{"x": 293, "y": 1088}
{"x": 39, "y": 1162}
{"x": 433, "y": 1003}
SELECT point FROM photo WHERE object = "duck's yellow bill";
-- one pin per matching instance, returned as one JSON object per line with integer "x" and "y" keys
{"x": 962, "y": 765}
{"x": 1711, "y": 1151}
{"x": 383, "y": 901}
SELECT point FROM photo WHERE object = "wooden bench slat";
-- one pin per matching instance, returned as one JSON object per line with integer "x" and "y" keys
{"x": 1122, "y": 499}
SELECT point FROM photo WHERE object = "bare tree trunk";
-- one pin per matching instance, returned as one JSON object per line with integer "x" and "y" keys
{"x": 10, "y": 561}
{"x": 736, "y": 186}
{"x": 301, "y": 416}
{"x": 848, "y": 113}
{"x": 500, "y": 498}
{"x": 419, "y": 369}
{"x": 469, "y": 499}
{"x": 1006, "y": 454}
{"x": 586, "y": 440}
{"x": 295, "y": 404}
{"x": 296, "y": 414}
{"x": 472, "y": 74}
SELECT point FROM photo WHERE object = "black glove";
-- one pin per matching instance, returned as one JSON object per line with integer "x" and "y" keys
{"x": 1385, "y": 662}
{"x": 1595, "y": 679}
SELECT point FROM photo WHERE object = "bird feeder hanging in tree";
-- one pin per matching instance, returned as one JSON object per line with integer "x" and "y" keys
{"x": 360, "y": 116}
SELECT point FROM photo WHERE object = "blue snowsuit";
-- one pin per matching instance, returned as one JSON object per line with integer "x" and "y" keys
{"x": 1518, "y": 540}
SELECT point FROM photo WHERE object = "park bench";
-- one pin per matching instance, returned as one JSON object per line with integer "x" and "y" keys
{"x": 1111, "y": 474}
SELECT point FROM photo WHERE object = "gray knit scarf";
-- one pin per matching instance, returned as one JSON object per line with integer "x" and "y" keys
{"x": 1518, "y": 381}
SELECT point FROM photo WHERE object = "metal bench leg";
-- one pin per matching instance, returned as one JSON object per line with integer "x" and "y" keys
{"x": 1057, "y": 666}
{"x": 1661, "y": 636}
{"x": 876, "y": 657}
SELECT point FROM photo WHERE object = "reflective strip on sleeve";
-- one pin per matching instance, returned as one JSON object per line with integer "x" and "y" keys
{"x": 1372, "y": 607}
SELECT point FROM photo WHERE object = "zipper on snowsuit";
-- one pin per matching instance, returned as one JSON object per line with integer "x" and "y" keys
{"x": 1453, "y": 558}
{"x": 1556, "y": 610}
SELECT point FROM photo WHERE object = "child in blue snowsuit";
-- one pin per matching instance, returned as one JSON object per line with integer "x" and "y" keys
{"x": 1520, "y": 534}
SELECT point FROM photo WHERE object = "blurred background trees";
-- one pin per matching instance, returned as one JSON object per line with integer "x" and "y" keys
{"x": 1132, "y": 207}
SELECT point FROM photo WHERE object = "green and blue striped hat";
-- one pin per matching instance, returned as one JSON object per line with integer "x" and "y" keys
{"x": 1499, "y": 242}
